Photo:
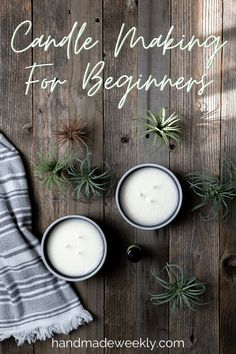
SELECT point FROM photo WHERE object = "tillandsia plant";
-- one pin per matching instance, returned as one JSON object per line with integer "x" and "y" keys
{"x": 214, "y": 195}
{"x": 88, "y": 181}
{"x": 163, "y": 128}
{"x": 74, "y": 132}
{"x": 51, "y": 170}
{"x": 180, "y": 290}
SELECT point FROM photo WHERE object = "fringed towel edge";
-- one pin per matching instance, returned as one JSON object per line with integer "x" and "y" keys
{"x": 53, "y": 326}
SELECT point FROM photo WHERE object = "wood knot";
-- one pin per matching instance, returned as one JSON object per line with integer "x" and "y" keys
{"x": 27, "y": 129}
{"x": 125, "y": 139}
{"x": 229, "y": 265}
{"x": 172, "y": 146}
{"x": 132, "y": 4}
{"x": 192, "y": 339}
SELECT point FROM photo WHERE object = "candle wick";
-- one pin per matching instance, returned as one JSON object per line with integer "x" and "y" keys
{"x": 142, "y": 195}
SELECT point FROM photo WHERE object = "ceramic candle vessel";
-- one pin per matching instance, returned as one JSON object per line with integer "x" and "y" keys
{"x": 149, "y": 196}
{"x": 74, "y": 248}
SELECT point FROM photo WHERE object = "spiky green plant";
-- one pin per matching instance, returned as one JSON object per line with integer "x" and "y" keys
{"x": 51, "y": 169}
{"x": 213, "y": 194}
{"x": 161, "y": 127}
{"x": 88, "y": 181}
{"x": 180, "y": 290}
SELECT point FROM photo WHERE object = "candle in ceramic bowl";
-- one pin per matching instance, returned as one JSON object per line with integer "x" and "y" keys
{"x": 74, "y": 248}
{"x": 149, "y": 196}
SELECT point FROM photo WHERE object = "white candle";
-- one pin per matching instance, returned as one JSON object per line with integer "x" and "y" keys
{"x": 75, "y": 247}
{"x": 149, "y": 196}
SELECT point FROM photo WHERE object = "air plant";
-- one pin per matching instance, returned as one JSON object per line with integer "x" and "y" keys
{"x": 180, "y": 290}
{"x": 88, "y": 181}
{"x": 74, "y": 132}
{"x": 161, "y": 127}
{"x": 213, "y": 194}
{"x": 51, "y": 169}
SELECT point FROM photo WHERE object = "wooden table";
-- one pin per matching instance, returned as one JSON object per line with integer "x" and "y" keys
{"x": 118, "y": 296}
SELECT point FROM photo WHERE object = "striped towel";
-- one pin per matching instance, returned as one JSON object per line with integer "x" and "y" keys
{"x": 34, "y": 304}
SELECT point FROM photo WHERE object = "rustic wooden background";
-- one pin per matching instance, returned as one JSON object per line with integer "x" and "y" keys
{"x": 118, "y": 296}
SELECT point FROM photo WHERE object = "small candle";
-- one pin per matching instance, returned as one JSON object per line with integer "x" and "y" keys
{"x": 75, "y": 247}
{"x": 149, "y": 196}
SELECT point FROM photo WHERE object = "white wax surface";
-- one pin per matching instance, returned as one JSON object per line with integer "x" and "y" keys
{"x": 75, "y": 247}
{"x": 148, "y": 196}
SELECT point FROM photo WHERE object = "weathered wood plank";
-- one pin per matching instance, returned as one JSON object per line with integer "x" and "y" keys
{"x": 227, "y": 234}
{"x": 120, "y": 153}
{"x": 15, "y": 108}
{"x": 154, "y": 19}
{"x": 9, "y": 347}
{"x": 125, "y": 311}
{"x": 194, "y": 245}
{"x": 48, "y": 109}
{"x": 89, "y": 109}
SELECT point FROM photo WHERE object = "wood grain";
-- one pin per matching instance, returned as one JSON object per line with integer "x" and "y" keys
{"x": 228, "y": 242}
{"x": 153, "y": 19}
{"x": 118, "y": 295}
{"x": 194, "y": 244}
{"x": 120, "y": 153}
{"x": 48, "y": 110}
{"x": 89, "y": 109}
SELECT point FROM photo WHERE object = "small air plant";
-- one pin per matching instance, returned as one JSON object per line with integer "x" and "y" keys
{"x": 51, "y": 169}
{"x": 74, "y": 132}
{"x": 87, "y": 181}
{"x": 214, "y": 195}
{"x": 179, "y": 290}
{"x": 161, "y": 127}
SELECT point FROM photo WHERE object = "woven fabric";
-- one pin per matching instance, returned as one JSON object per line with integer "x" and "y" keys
{"x": 34, "y": 304}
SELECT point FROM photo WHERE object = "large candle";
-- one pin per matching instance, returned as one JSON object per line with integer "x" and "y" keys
{"x": 74, "y": 248}
{"x": 149, "y": 196}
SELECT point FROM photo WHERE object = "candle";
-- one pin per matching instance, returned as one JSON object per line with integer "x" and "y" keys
{"x": 149, "y": 196}
{"x": 74, "y": 248}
